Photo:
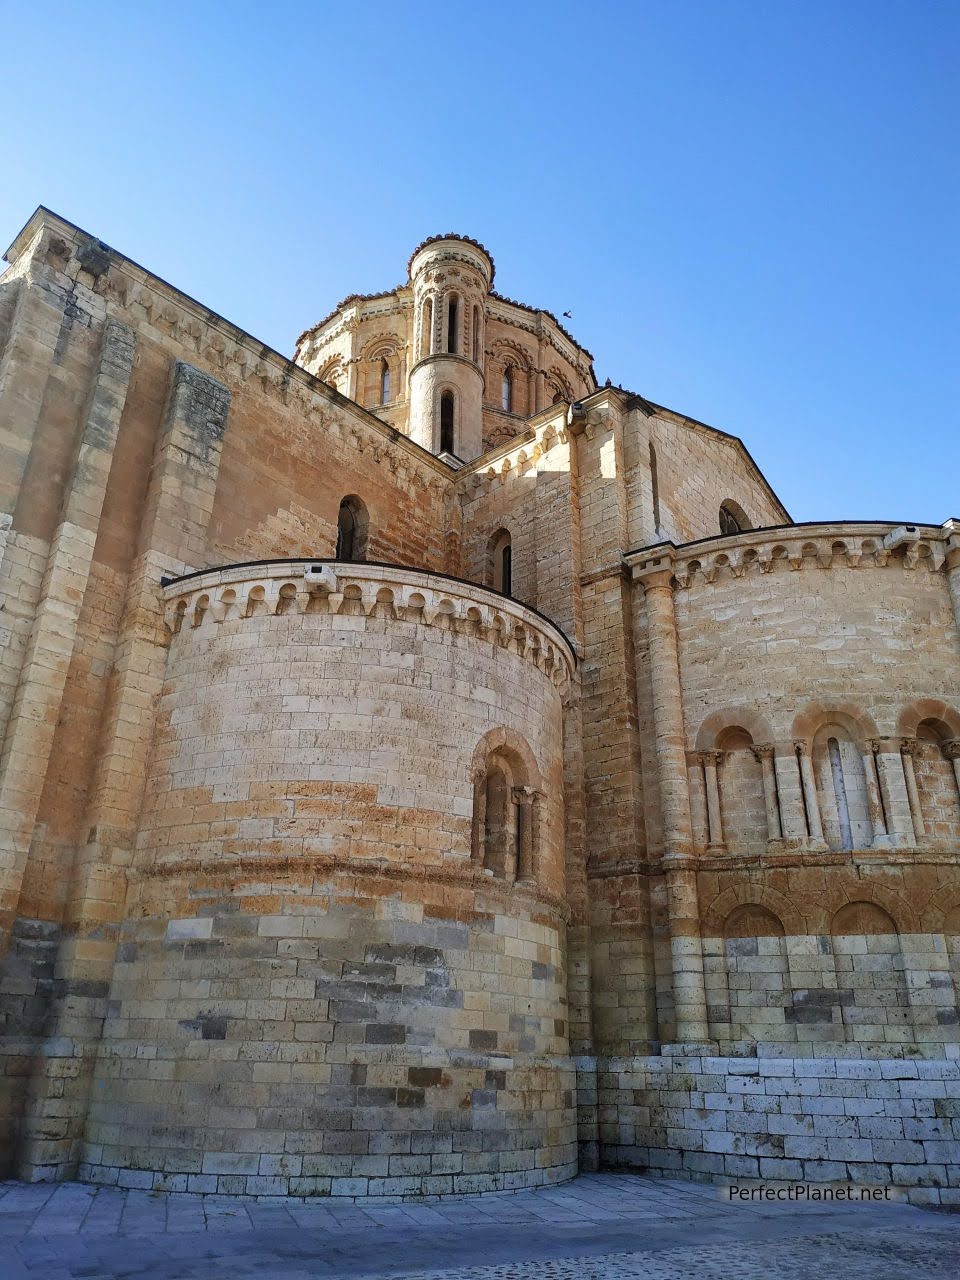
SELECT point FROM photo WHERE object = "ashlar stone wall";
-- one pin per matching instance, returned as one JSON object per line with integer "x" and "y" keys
{"x": 320, "y": 987}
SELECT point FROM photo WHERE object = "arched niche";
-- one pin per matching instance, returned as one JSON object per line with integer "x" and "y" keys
{"x": 353, "y": 527}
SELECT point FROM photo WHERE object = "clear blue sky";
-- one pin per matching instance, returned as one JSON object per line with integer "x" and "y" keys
{"x": 751, "y": 208}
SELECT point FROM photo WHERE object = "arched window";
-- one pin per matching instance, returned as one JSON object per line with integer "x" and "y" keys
{"x": 500, "y": 821}
{"x": 426, "y": 333}
{"x": 476, "y": 335}
{"x": 655, "y": 485}
{"x": 733, "y": 518}
{"x": 506, "y": 813}
{"x": 330, "y": 373}
{"x": 501, "y": 562}
{"x": 506, "y": 389}
{"x": 384, "y": 381}
{"x": 352, "y": 530}
{"x": 447, "y": 408}
{"x": 453, "y": 309}
{"x": 841, "y": 786}
{"x": 840, "y": 792}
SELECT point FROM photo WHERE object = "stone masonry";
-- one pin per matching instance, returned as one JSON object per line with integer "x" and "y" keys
{"x": 425, "y": 772}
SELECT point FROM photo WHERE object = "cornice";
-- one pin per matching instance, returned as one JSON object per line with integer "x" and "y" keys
{"x": 210, "y": 596}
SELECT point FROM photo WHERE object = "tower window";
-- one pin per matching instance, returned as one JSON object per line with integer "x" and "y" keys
{"x": 446, "y": 422}
{"x": 452, "y": 310}
{"x": 426, "y": 337}
{"x": 384, "y": 382}
{"x": 476, "y": 335}
{"x": 351, "y": 530}
{"x": 506, "y": 390}
{"x": 501, "y": 562}
{"x": 655, "y": 486}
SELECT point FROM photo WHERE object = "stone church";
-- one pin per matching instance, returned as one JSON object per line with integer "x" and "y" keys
{"x": 426, "y": 771}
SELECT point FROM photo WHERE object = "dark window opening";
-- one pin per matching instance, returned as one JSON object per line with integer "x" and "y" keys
{"x": 351, "y": 530}
{"x": 452, "y": 310}
{"x": 506, "y": 570}
{"x": 506, "y": 390}
{"x": 446, "y": 423}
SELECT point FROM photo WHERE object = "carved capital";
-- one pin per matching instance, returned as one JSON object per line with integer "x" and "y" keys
{"x": 911, "y": 747}
{"x": 801, "y": 746}
{"x": 763, "y": 750}
{"x": 712, "y": 758}
{"x": 524, "y": 795}
{"x": 951, "y": 749}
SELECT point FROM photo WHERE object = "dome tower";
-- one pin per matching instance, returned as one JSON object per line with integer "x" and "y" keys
{"x": 451, "y": 276}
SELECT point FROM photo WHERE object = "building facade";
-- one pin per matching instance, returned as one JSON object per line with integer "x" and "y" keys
{"x": 425, "y": 771}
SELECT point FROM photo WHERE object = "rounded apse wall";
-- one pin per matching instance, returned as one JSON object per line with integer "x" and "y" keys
{"x": 326, "y": 983}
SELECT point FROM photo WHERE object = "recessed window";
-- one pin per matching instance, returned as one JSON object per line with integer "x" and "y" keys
{"x": 426, "y": 332}
{"x": 453, "y": 309}
{"x": 502, "y": 562}
{"x": 352, "y": 530}
{"x": 506, "y": 817}
{"x": 506, "y": 390}
{"x": 476, "y": 335}
{"x": 446, "y": 422}
{"x": 733, "y": 518}
{"x": 384, "y": 382}
{"x": 655, "y": 486}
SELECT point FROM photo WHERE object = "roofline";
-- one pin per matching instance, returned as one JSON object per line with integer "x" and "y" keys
{"x": 352, "y": 298}
{"x": 925, "y": 525}
{"x": 542, "y": 311}
{"x": 452, "y": 235}
{"x": 651, "y": 408}
{"x": 171, "y": 580}
{"x": 266, "y": 352}
{"x": 346, "y": 302}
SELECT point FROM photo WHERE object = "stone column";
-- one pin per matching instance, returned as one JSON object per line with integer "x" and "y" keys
{"x": 173, "y": 539}
{"x": 893, "y": 788}
{"x": 951, "y": 750}
{"x": 532, "y": 405}
{"x": 765, "y": 753}
{"x": 878, "y": 822}
{"x": 683, "y": 911}
{"x": 524, "y": 798}
{"x": 478, "y": 829}
{"x": 789, "y": 789}
{"x": 43, "y": 675}
{"x": 711, "y": 763}
{"x": 811, "y": 799}
{"x": 909, "y": 750}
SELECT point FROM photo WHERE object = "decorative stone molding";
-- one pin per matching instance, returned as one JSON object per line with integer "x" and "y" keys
{"x": 387, "y": 591}
{"x": 800, "y": 547}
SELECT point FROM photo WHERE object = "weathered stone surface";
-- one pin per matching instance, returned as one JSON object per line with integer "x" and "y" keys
{"x": 315, "y": 874}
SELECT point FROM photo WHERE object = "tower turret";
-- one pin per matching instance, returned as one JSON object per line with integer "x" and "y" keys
{"x": 451, "y": 276}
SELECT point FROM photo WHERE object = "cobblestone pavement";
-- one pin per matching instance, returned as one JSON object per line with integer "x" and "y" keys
{"x": 599, "y": 1227}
